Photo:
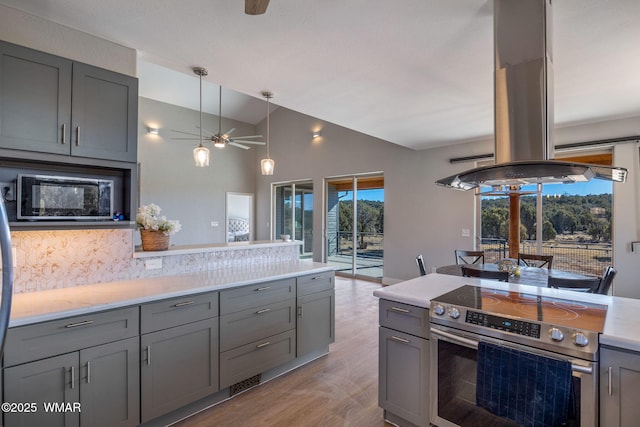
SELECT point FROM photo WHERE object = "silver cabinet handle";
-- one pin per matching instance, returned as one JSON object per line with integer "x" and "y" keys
{"x": 64, "y": 133}
{"x": 148, "y": 355}
{"x": 402, "y": 340}
{"x": 73, "y": 377}
{"x": 75, "y": 325}
{"x": 316, "y": 277}
{"x": 610, "y": 385}
{"x": 264, "y": 310}
{"x": 263, "y": 288}
{"x": 78, "y": 136}
{"x": 183, "y": 304}
{"x": 400, "y": 310}
{"x": 264, "y": 344}
{"x": 88, "y": 372}
{"x": 300, "y": 311}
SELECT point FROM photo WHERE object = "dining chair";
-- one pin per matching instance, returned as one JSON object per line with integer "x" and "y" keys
{"x": 607, "y": 279}
{"x": 535, "y": 260}
{"x": 469, "y": 257}
{"x": 589, "y": 285}
{"x": 420, "y": 262}
{"x": 502, "y": 276}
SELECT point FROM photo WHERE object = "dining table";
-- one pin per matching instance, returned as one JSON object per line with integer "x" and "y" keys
{"x": 534, "y": 276}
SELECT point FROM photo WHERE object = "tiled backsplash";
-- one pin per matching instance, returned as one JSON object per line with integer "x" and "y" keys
{"x": 54, "y": 259}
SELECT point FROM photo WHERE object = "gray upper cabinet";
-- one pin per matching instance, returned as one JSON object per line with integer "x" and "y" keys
{"x": 35, "y": 100}
{"x": 104, "y": 113}
{"x": 53, "y": 105}
{"x": 619, "y": 387}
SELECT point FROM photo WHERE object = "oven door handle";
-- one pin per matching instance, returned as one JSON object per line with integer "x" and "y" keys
{"x": 474, "y": 344}
{"x": 456, "y": 339}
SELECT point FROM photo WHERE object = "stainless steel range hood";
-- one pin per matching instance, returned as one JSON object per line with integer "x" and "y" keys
{"x": 523, "y": 90}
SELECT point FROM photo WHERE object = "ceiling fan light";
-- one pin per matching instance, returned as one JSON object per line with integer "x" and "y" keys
{"x": 219, "y": 144}
{"x": 266, "y": 166}
{"x": 201, "y": 156}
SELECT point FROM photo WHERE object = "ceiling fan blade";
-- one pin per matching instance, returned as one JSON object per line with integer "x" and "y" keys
{"x": 248, "y": 142}
{"x": 186, "y": 133}
{"x": 189, "y": 139}
{"x": 229, "y": 132}
{"x": 255, "y": 7}
{"x": 207, "y": 131}
{"x": 248, "y": 137}
{"x": 235, "y": 144}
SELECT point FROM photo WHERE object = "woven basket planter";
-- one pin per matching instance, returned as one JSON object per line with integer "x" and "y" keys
{"x": 154, "y": 240}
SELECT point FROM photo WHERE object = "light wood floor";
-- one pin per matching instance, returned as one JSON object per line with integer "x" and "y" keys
{"x": 340, "y": 389}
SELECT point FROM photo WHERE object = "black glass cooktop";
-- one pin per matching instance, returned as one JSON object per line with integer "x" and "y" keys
{"x": 582, "y": 315}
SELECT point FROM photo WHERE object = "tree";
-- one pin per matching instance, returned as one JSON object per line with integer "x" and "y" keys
{"x": 548, "y": 232}
{"x": 493, "y": 222}
{"x": 528, "y": 220}
{"x": 367, "y": 220}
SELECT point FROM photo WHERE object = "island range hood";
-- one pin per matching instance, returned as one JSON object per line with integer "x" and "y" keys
{"x": 523, "y": 91}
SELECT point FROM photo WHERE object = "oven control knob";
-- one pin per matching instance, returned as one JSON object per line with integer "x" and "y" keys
{"x": 580, "y": 339}
{"x": 454, "y": 313}
{"x": 439, "y": 309}
{"x": 556, "y": 334}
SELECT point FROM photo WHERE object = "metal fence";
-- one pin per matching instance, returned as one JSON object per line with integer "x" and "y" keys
{"x": 580, "y": 257}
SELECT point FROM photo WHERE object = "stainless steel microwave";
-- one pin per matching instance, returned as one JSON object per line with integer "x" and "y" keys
{"x": 49, "y": 197}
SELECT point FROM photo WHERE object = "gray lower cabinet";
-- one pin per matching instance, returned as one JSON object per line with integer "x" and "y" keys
{"x": 54, "y": 105}
{"x": 619, "y": 387}
{"x": 179, "y": 364}
{"x": 403, "y": 389}
{"x": 316, "y": 312}
{"x": 97, "y": 386}
{"x": 257, "y": 329}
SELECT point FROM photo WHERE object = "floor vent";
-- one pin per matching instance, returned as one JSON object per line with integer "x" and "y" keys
{"x": 244, "y": 385}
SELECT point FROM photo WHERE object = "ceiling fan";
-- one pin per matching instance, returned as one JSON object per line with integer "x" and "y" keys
{"x": 221, "y": 140}
{"x": 255, "y": 7}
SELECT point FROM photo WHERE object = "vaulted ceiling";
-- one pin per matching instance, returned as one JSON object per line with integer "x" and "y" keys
{"x": 418, "y": 73}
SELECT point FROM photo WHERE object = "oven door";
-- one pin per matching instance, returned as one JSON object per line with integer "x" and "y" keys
{"x": 453, "y": 381}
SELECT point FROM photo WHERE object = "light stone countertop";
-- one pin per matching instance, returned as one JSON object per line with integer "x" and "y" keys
{"x": 215, "y": 247}
{"x": 621, "y": 328}
{"x": 41, "y": 306}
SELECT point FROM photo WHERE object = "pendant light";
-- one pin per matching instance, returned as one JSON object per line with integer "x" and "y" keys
{"x": 267, "y": 165}
{"x": 201, "y": 153}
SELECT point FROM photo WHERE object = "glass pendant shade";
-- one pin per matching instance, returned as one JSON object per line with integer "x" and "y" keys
{"x": 267, "y": 166}
{"x": 201, "y": 156}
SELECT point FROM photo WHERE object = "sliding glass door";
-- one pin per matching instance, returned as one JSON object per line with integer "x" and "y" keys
{"x": 293, "y": 214}
{"x": 355, "y": 225}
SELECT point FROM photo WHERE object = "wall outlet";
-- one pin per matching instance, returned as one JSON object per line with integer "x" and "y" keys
{"x": 466, "y": 232}
{"x": 153, "y": 263}
{"x": 215, "y": 223}
{"x": 8, "y": 191}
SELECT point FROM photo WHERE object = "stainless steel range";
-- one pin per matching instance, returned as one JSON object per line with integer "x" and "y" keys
{"x": 558, "y": 329}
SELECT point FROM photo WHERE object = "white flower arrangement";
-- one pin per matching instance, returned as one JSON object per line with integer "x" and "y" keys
{"x": 148, "y": 218}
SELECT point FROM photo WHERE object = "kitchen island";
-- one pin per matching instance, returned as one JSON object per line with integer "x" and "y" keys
{"x": 156, "y": 350}
{"x": 619, "y": 346}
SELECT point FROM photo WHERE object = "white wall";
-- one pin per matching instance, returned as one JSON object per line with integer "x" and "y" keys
{"x": 168, "y": 177}
{"x": 37, "y": 33}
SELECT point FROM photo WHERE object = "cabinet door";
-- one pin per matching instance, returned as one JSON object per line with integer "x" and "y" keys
{"x": 110, "y": 384}
{"x": 316, "y": 322}
{"x": 104, "y": 113}
{"x": 52, "y": 380}
{"x": 404, "y": 376}
{"x": 35, "y": 100}
{"x": 619, "y": 388}
{"x": 179, "y": 366}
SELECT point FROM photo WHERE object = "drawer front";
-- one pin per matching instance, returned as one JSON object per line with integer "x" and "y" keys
{"x": 257, "y": 295}
{"x": 178, "y": 311}
{"x": 33, "y": 342}
{"x": 250, "y": 325}
{"x": 255, "y": 358}
{"x": 315, "y": 283}
{"x": 405, "y": 318}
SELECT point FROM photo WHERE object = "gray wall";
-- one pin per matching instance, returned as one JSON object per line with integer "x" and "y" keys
{"x": 421, "y": 217}
{"x": 194, "y": 196}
